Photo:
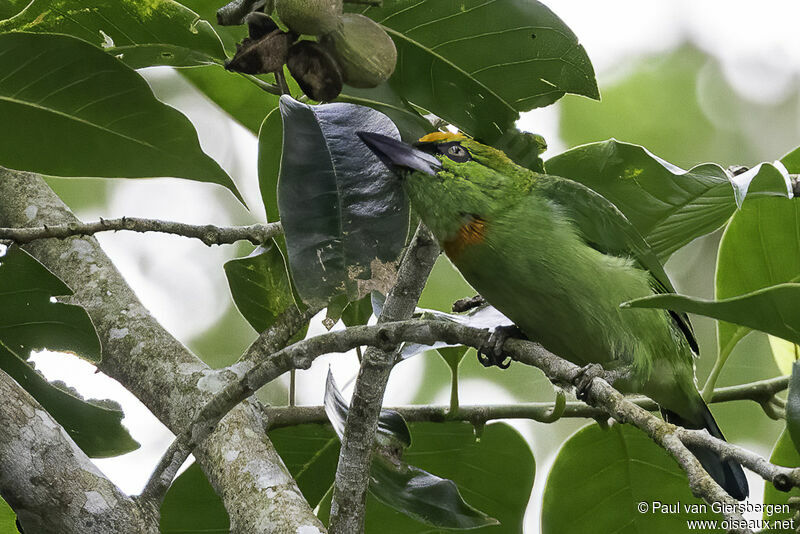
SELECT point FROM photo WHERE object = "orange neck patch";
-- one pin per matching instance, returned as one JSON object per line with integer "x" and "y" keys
{"x": 439, "y": 137}
{"x": 471, "y": 233}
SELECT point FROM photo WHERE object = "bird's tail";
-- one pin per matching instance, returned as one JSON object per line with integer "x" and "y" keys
{"x": 727, "y": 473}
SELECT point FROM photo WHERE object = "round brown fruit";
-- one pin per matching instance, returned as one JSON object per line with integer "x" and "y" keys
{"x": 315, "y": 71}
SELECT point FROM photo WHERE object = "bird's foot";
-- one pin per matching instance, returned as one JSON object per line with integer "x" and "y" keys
{"x": 492, "y": 352}
{"x": 585, "y": 376}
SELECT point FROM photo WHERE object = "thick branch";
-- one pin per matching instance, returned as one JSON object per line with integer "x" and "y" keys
{"x": 283, "y": 416}
{"x": 207, "y": 233}
{"x": 50, "y": 483}
{"x": 240, "y": 462}
{"x": 352, "y": 472}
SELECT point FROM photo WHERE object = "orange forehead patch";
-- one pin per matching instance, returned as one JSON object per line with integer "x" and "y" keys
{"x": 471, "y": 233}
{"x": 437, "y": 137}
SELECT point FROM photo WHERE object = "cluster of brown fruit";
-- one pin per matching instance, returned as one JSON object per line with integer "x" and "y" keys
{"x": 343, "y": 48}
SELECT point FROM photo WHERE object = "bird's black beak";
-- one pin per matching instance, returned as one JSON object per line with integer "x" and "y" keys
{"x": 398, "y": 155}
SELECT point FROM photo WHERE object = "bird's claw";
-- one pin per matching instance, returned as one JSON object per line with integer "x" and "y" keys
{"x": 491, "y": 354}
{"x": 584, "y": 377}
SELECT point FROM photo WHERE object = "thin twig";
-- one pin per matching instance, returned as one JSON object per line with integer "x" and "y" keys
{"x": 207, "y": 233}
{"x": 284, "y": 416}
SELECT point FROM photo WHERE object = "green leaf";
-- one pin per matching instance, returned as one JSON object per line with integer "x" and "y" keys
{"x": 270, "y": 146}
{"x": 142, "y": 34}
{"x": 29, "y": 321}
{"x": 774, "y": 310}
{"x": 260, "y": 286}
{"x": 8, "y": 519}
{"x": 495, "y": 473}
{"x": 192, "y": 507}
{"x": 358, "y": 312}
{"x": 241, "y": 99}
{"x": 478, "y": 64}
{"x": 87, "y": 114}
{"x": 344, "y": 214}
{"x": 452, "y": 355}
{"x": 383, "y": 98}
{"x": 784, "y": 454}
{"x": 760, "y": 248}
{"x": 95, "y": 426}
{"x": 792, "y": 161}
{"x": 793, "y": 406}
{"x": 669, "y": 206}
{"x": 599, "y": 478}
{"x": 311, "y": 453}
{"x": 425, "y": 497}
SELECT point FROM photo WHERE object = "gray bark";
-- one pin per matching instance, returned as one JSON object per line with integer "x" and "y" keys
{"x": 238, "y": 458}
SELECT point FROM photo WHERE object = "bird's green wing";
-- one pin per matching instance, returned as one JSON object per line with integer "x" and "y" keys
{"x": 606, "y": 229}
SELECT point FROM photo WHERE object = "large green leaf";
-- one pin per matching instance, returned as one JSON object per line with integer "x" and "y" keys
{"x": 792, "y": 161}
{"x": 192, "y": 507}
{"x": 30, "y": 320}
{"x": 87, "y": 114}
{"x": 477, "y": 64}
{"x": 760, "y": 248}
{"x": 8, "y": 519}
{"x": 669, "y": 206}
{"x": 311, "y": 453}
{"x": 786, "y": 455}
{"x": 774, "y": 309}
{"x": 344, "y": 215}
{"x": 156, "y": 32}
{"x": 260, "y": 286}
{"x": 600, "y": 477}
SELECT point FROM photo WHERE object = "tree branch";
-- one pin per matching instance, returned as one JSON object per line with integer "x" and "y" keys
{"x": 207, "y": 233}
{"x": 240, "y": 462}
{"x": 352, "y": 472}
{"x": 50, "y": 483}
{"x": 283, "y": 416}
{"x": 602, "y": 396}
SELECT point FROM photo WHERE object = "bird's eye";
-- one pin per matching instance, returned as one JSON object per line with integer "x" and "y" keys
{"x": 455, "y": 152}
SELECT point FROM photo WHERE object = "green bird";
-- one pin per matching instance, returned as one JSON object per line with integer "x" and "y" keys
{"x": 557, "y": 259}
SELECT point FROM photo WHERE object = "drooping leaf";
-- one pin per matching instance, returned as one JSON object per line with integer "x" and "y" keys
{"x": 344, "y": 214}
{"x": 87, "y": 114}
{"x": 423, "y": 496}
{"x": 8, "y": 519}
{"x": 383, "y": 98}
{"x": 599, "y": 478}
{"x": 392, "y": 428}
{"x": 410, "y": 490}
{"x": 784, "y": 454}
{"x": 142, "y": 34}
{"x": 774, "y": 309}
{"x": 478, "y": 64}
{"x": 191, "y": 506}
{"x": 669, "y": 206}
{"x": 30, "y": 320}
{"x": 760, "y": 248}
{"x": 260, "y": 286}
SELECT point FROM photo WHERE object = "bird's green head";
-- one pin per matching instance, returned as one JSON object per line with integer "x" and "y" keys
{"x": 452, "y": 180}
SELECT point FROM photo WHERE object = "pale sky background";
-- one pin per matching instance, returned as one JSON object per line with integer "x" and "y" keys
{"x": 182, "y": 282}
